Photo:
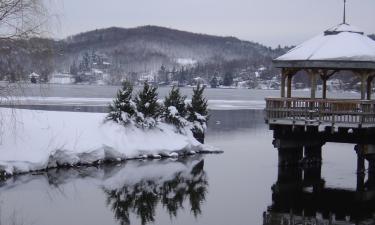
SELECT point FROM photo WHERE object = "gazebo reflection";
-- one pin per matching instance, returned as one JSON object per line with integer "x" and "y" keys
{"x": 300, "y": 197}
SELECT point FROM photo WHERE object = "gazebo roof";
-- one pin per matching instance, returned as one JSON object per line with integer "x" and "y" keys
{"x": 340, "y": 47}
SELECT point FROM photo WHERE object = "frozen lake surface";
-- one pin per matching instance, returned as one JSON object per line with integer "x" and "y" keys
{"x": 81, "y": 96}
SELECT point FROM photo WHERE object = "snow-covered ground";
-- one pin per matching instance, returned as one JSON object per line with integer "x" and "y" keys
{"x": 36, "y": 140}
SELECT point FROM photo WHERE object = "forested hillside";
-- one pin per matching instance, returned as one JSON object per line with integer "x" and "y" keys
{"x": 139, "y": 51}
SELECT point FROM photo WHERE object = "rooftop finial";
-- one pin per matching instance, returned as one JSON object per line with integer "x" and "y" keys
{"x": 344, "y": 12}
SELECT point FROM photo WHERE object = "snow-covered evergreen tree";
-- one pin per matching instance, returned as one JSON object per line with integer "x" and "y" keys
{"x": 148, "y": 109}
{"x": 198, "y": 113}
{"x": 175, "y": 108}
{"x": 123, "y": 108}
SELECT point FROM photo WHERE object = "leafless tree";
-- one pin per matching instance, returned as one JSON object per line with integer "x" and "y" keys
{"x": 20, "y": 19}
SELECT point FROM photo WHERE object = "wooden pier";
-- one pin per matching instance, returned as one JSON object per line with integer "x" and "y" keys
{"x": 321, "y": 112}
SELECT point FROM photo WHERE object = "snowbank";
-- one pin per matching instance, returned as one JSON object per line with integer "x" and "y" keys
{"x": 36, "y": 140}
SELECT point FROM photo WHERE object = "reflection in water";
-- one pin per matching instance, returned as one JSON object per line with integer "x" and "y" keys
{"x": 142, "y": 197}
{"x": 139, "y": 188}
{"x": 300, "y": 197}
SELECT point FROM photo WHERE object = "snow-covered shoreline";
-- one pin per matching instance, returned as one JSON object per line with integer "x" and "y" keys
{"x": 34, "y": 140}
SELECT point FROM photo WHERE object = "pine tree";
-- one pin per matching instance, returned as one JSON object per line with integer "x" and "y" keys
{"x": 175, "y": 108}
{"x": 214, "y": 82}
{"x": 198, "y": 113}
{"x": 228, "y": 79}
{"x": 177, "y": 100}
{"x": 123, "y": 108}
{"x": 148, "y": 109}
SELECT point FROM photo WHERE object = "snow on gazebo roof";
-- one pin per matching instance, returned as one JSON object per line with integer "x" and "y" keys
{"x": 340, "y": 47}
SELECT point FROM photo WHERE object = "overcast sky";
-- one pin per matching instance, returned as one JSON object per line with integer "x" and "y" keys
{"x": 270, "y": 22}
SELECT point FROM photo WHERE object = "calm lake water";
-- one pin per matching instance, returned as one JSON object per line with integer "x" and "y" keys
{"x": 99, "y": 91}
{"x": 237, "y": 187}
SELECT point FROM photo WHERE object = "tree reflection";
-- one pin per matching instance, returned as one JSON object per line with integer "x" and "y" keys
{"x": 142, "y": 198}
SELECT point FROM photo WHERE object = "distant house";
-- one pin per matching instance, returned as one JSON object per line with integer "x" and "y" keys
{"x": 199, "y": 81}
{"x": 34, "y": 77}
{"x": 62, "y": 78}
{"x": 98, "y": 74}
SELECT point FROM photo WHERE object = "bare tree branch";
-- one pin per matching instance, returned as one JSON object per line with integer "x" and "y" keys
{"x": 20, "y": 19}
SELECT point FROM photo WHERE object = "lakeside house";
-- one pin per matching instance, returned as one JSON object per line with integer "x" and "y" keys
{"x": 62, "y": 78}
{"x": 34, "y": 77}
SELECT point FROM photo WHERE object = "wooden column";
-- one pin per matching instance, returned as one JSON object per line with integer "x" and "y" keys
{"x": 325, "y": 75}
{"x": 289, "y": 94}
{"x": 369, "y": 87}
{"x": 324, "y": 94}
{"x": 312, "y": 75}
{"x": 282, "y": 85}
{"x": 364, "y": 77}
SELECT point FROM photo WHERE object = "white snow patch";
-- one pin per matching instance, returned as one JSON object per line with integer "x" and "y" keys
{"x": 172, "y": 111}
{"x": 36, "y": 140}
{"x": 173, "y": 155}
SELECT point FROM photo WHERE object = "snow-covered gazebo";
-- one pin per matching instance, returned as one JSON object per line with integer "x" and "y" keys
{"x": 340, "y": 48}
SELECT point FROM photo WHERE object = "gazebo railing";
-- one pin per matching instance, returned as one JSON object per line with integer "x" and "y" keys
{"x": 312, "y": 111}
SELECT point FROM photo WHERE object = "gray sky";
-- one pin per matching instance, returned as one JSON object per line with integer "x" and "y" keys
{"x": 270, "y": 22}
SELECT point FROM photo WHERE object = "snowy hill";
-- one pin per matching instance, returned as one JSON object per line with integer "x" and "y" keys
{"x": 136, "y": 50}
{"x": 153, "y": 40}
{"x": 150, "y": 46}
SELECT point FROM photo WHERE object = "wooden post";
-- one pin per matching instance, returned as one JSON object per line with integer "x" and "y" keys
{"x": 289, "y": 94}
{"x": 369, "y": 87}
{"x": 363, "y": 86}
{"x": 325, "y": 75}
{"x": 313, "y": 83}
{"x": 359, "y": 149}
{"x": 282, "y": 85}
{"x": 363, "y": 75}
{"x": 324, "y": 94}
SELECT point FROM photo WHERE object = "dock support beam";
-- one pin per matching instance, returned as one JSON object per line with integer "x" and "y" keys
{"x": 313, "y": 154}
{"x": 290, "y": 156}
{"x": 360, "y": 159}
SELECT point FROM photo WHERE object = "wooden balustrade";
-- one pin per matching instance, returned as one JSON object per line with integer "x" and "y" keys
{"x": 346, "y": 112}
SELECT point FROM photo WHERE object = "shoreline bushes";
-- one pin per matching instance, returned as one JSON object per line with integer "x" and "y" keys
{"x": 144, "y": 111}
